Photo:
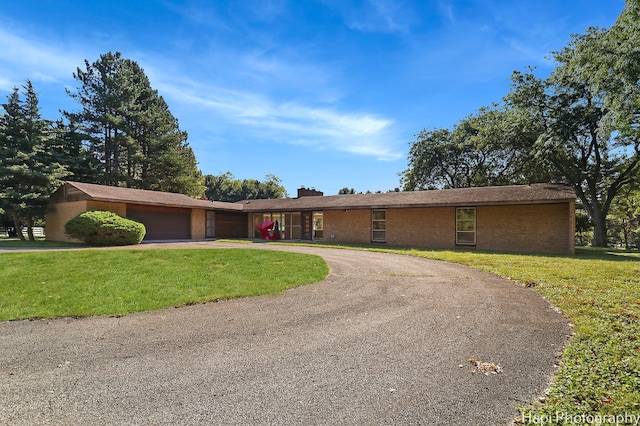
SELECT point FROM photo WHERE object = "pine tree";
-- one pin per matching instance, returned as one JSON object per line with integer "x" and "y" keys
{"x": 69, "y": 150}
{"x": 11, "y": 125}
{"x": 28, "y": 171}
{"x": 130, "y": 129}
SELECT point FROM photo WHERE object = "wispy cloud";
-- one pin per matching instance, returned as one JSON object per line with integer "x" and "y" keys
{"x": 281, "y": 115}
{"x": 6, "y": 84}
{"x": 323, "y": 128}
{"x": 264, "y": 10}
{"x": 446, "y": 11}
{"x": 285, "y": 71}
{"x": 531, "y": 52}
{"x": 384, "y": 16}
{"x": 21, "y": 58}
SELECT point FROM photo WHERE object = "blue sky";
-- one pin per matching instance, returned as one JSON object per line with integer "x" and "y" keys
{"x": 321, "y": 93}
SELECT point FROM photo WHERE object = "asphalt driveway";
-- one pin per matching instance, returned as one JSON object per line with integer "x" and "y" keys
{"x": 385, "y": 339}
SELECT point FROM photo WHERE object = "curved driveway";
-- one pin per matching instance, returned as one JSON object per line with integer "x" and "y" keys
{"x": 385, "y": 339}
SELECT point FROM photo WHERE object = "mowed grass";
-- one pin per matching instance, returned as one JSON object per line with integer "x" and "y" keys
{"x": 599, "y": 292}
{"x": 38, "y": 243}
{"x": 117, "y": 282}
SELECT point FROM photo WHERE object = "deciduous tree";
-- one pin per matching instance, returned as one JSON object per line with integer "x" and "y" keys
{"x": 625, "y": 216}
{"x": 581, "y": 125}
{"x": 491, "y": 147}
{"x": 346, "y": 190}
{"x": 589, "y": 113}
{"x": 225, "y": 187}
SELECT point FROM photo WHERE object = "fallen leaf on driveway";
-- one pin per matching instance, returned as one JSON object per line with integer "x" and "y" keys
{"x": 485, "y": 367}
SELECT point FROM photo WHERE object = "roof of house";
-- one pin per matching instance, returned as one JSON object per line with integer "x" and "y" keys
{"x": 142, "y": 196}
{"x": 495, "y": 195}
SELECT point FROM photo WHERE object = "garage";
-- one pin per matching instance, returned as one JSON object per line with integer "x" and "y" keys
{"x": 162, "y": 223}
{"x": 230, "y": 225}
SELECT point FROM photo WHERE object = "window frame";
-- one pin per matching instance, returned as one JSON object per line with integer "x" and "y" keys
{"x": 462, "y": 230}
{"x": 380, "y": 231}
{"x": 210, "y": 224}
{"x": 317, "y": 225}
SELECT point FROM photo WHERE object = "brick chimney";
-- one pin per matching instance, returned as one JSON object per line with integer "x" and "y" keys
{"x": 309, "y": 192}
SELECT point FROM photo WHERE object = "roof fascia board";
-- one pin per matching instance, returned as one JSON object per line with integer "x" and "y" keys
{"x": 406, "y": 206}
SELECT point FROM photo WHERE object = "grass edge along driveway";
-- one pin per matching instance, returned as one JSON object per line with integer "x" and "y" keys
{"x": 74, "y": 283}
{"x": 599, "y": 292}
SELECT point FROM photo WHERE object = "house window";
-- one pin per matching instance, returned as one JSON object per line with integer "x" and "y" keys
{"x": 318, "y": 226}
{"x": 379, "y": 225}
{"x": 211, "y": 224}
{"x": 466, "y": 225}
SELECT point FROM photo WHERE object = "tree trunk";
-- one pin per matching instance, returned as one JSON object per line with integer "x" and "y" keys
{"x": 116, "y": 157}
{"x": 18, "y": 225}
{"x": 599, "y": 229}
{"x": 30, "y": 229}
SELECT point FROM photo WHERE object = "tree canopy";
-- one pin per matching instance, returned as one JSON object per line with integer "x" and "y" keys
{"x": 588, "y": 111}
{"x": 225, "y": 187}
{"x": 346, "y": 191}
{"x": 29, "y": 172}
{"x": 128, "y": 127}
{"x": 123, "y": 135}
{"x": 491, "y": 147}
{"x": 580, "y": 125}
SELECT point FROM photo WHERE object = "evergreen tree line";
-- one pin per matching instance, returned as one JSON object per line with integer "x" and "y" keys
{"x": 580, "y": 126}
{"x": 123, "y": 135}
{"x": 29, "y": 166}
{"x": 128, "y": 128}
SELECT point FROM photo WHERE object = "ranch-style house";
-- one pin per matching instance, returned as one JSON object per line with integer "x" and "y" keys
{"x": 536, "y": 218}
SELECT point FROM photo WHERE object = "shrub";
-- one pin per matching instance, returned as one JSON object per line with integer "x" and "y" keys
{"x": 102, "y": 228}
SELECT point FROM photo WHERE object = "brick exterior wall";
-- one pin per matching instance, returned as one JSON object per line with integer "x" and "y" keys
{"x": 538, "y": 228}
{"x": 347, "y": 226}
{"x": 416, "y": 227}
{"x": 118, "y": 208}
{"x": 198, "y": 224}
{"x": 61, "y": 213}
{"x": 421, "y": 227}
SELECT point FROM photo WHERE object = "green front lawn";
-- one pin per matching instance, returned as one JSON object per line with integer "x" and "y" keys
{"x": 75, "y": 283}
{"x": 599, "y": 292}
{"x": 38, "y": 243}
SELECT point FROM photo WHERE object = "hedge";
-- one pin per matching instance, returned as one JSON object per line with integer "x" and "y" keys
{"x": 103, "y": 228}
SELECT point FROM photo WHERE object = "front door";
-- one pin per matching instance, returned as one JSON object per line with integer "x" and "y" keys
{"x": 307, "y": 229}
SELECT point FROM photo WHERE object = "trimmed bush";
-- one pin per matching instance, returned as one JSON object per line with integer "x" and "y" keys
{"x": 102, "y": 228}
